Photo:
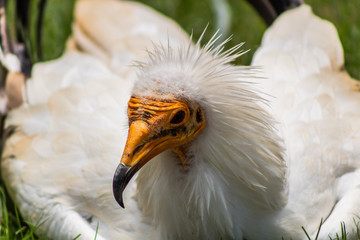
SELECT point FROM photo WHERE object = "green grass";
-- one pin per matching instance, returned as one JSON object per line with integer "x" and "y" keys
{"x": 12, "y": 226}
{"x": 344, "y": 234}
{"x": 246, "y": 26}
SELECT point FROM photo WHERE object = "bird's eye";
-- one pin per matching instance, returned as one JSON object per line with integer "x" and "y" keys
{"x": 178, "y": 117}
{"x": 199, "y": 117}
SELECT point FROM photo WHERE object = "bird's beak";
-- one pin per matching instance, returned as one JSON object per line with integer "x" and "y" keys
{"x": 140, "y": 148}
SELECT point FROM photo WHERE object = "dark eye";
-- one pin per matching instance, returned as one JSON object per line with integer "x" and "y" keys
{"x": 178, "y": 117}
{"x": 199, "y": 117}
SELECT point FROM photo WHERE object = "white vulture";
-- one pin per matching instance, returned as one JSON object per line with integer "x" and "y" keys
{"x": 208, "y": 150}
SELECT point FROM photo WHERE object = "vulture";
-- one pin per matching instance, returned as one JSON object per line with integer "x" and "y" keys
{"x": 136, "y": 115}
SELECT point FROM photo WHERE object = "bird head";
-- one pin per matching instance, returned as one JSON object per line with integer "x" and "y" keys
{"x": 188, "y": 91}
{"x": 156, "y": 125}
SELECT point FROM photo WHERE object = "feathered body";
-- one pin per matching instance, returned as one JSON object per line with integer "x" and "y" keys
{"x": 278, "y": 151}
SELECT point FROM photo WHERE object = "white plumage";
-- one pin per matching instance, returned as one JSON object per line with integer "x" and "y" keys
{"x": 277, "y": 153}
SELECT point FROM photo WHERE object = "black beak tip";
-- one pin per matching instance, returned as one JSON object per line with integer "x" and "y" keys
{"x": 118, "y": 195}
{"x": 122, "y": 176}
{"x": 121, "y": 202}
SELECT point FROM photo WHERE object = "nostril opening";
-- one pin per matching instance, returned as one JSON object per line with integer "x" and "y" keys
{"x": 137, "y": 148}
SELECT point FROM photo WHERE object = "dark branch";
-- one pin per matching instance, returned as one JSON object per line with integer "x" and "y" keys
{"x": 269, "y": 10}
{"x": 265, "y": 9}
{"x": 39, "y": 22}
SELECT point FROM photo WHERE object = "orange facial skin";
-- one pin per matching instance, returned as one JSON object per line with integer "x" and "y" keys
{"x": 156, "y": 125}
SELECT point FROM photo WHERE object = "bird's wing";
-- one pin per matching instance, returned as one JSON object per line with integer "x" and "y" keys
{"x": 124, "y": 34}
{"x": 55, "y": 164}
{"x": 316, "y": 104}
{"x": 69, "y": 134}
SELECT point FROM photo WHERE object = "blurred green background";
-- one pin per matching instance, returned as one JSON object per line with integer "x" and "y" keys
{"x": 246, "y": 26}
